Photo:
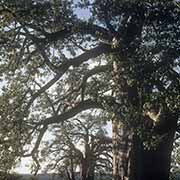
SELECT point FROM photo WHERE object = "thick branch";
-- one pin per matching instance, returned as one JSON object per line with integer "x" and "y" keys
{"x": 38, "y": 141}
{"x": 45, "y": 57}
{"x": 43, "y": 89}
{"x": 96, "y": 70}
{"x": 66, "y": 64}
{"x": 82, "y": 106}
{"x": 48, "y": 98}
{"x": 81, "y": 27}
{"x": 92, "y": 53}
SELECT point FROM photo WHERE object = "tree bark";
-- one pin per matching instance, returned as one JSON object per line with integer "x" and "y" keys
{"x": 70, "y": 175}
{"x": 70, "y": 171}
{"x": 131, "y": 161}
{"x": 91, "y": 173}
{"x": 156, "y": 162}
{"x": 87, "y": 170}
{"x": 122, "y": 151}
{"x": 83, "y": 170}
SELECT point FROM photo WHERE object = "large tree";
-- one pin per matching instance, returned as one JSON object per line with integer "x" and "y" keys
{"x": 82, "y": 146}
{"x": 122, "y": 58}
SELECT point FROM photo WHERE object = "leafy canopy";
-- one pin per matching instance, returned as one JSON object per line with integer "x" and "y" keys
{"x": 123, "y": 58}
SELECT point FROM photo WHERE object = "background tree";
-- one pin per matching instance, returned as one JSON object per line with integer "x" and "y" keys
{"x": 81, "y": 147}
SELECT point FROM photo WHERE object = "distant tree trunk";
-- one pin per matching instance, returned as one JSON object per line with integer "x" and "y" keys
{"x": 87, "y": 170}
{"x": 87, "y": 162}
{"x": 84, "y": 169}
{"x": 70, "y": 175}
{"x": 70, "y": 171}
{"x": 91, "y": 173}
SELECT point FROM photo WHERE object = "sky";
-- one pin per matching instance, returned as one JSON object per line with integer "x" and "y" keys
{"x": 24, "y": 166}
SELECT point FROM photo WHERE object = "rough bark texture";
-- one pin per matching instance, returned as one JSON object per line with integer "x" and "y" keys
{"x": 156, "y": 163}
{"x": 131, "y": 161}
{"x": 122, "y": 149}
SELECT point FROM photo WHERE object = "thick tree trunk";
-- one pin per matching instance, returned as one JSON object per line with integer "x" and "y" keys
{"x": 122, "y": 138}
{"x": 156, "y": 163}
{"x": 131, "y": 161}
{"x": 122, "y": 151}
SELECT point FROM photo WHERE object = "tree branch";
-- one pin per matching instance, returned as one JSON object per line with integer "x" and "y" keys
{"x": 38, "y": 141}
{"x": 66, "y": 64}
{"x": 81, "y": 27}
{"x": 91, "y": 72}
{"x": 92, "y": 53}
{"x": 43, "y": 89}
{"x": 82, "y": 106}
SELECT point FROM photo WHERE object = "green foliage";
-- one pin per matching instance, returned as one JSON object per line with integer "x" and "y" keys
{"x": 175, "y": 164}
{"x": 6, "y": 176}
{"x": 52, "y": 62}
{"x": 13, "y": 129}
{"x": 82, "y": 139}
